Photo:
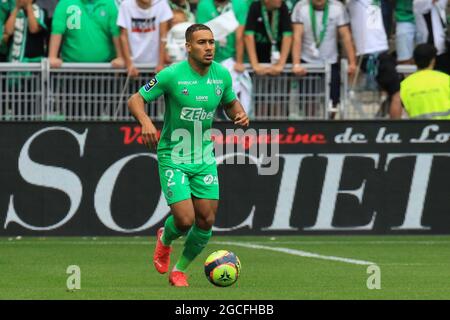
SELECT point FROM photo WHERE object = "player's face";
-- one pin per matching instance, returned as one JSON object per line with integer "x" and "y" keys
{"x": 201, "y": 48}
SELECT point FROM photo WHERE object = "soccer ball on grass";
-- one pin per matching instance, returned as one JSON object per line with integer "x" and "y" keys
{"x": 222, "y": 268}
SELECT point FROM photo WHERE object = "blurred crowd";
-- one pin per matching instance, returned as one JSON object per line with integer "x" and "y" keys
{"x": 373, "y": 35}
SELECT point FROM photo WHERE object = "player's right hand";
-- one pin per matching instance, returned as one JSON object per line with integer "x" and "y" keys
{"x": 241, "y": 119}
{"x": 149, "y": 135}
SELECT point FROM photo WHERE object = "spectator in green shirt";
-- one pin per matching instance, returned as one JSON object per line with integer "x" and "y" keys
{"x": 233, "y": 45}
{"x": 405, "y": 38}
{"x": 268, "y": 36}
{"x": 85, "y": 31}
{"x": 6, "y": 6}
{"x": 26, "y": 32}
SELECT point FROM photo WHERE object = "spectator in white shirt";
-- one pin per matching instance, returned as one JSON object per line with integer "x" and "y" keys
{"x": 143, "y": 29}
{"x": 316, "y": 25}
{"x": 371, "y": 42}
{"x": 431, "y": 24}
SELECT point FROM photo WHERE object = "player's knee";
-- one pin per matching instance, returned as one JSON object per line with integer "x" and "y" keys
{"x": 206, "y": 222}
{"x": 184, "y": 223}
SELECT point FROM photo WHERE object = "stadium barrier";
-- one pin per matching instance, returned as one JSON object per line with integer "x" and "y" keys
{"x": 22, "y": 88}
{"x": 360, "y": 97}
{"x": 97, "y": 92}
{"x": 341, "y": 177}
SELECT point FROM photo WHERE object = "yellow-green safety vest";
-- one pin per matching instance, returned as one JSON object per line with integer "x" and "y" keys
{"x": 426, "y": 95}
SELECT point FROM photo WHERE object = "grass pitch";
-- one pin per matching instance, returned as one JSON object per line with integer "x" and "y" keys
{"x": 287, "y": 267}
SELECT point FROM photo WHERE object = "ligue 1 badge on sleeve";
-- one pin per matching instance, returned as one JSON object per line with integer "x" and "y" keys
{"x": 150, "y": 84}
{"x": 218, "y": 90}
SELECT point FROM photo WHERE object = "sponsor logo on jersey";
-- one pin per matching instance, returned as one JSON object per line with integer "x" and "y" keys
{"x": 187, "y": 83}
{"x": 201, "y": 98}
{"x": 150, "y": 84}
{"x": 214, "y": 81}
{"x": 194, "y": 114}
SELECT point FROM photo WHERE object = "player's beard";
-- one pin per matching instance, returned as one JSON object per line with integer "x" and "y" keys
{"x": 202, "y": 62}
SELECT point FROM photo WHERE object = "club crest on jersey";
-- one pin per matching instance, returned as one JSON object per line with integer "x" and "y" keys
{"x": 150, "y": 84}
{"x": 185, "y": 92}
{"x": 218, "y": 90}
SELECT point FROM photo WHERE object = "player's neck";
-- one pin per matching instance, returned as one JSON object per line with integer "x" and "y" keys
{"x": 200, "y": 68}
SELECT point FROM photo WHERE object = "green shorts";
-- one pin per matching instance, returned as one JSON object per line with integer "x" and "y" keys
{"x": 181, "y": 181}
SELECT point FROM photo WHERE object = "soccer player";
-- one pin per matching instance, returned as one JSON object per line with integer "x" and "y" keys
{"x": 192, "y": 90}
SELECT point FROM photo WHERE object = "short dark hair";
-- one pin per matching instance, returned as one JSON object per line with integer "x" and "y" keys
{"x": 423, "y": 54}
{"x": 193, "y": 28}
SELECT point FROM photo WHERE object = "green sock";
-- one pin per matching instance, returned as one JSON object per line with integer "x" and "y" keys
{"x": 196, "y": 241}
{"x": 171, "y": 232}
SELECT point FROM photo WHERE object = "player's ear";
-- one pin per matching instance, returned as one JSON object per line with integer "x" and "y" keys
{"x": 188, "y": 46}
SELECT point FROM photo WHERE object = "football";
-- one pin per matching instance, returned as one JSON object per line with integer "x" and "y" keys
{"x": 222, "y": 268}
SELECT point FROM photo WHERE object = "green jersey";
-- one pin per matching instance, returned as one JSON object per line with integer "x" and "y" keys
{"x": 207, "y": 11}
{"x": 6, "y": 6}
{"x": 87, "y": 28}
{"x": 191, "y": 101}
{"x": 23, "y": 39}
{"x": 404, "y": 11}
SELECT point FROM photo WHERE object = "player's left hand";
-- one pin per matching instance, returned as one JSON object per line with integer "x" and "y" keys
{"x": 149, "y": 134}
{"x": 241, "y": 119}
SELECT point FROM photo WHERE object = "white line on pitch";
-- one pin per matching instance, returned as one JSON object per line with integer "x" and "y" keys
{"x": 294, "y": 252}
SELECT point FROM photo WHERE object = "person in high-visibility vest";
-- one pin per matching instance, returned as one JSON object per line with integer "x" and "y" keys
{"x": 426, "y": 93}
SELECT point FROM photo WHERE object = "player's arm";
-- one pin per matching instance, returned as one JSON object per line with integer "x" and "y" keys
{"x": 235, "y": 111}
{"x": 233, "y": 108}
{"x": 136, "y": 105}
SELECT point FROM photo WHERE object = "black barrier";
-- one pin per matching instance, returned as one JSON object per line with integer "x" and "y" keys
{"x": 333, "y": 178}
